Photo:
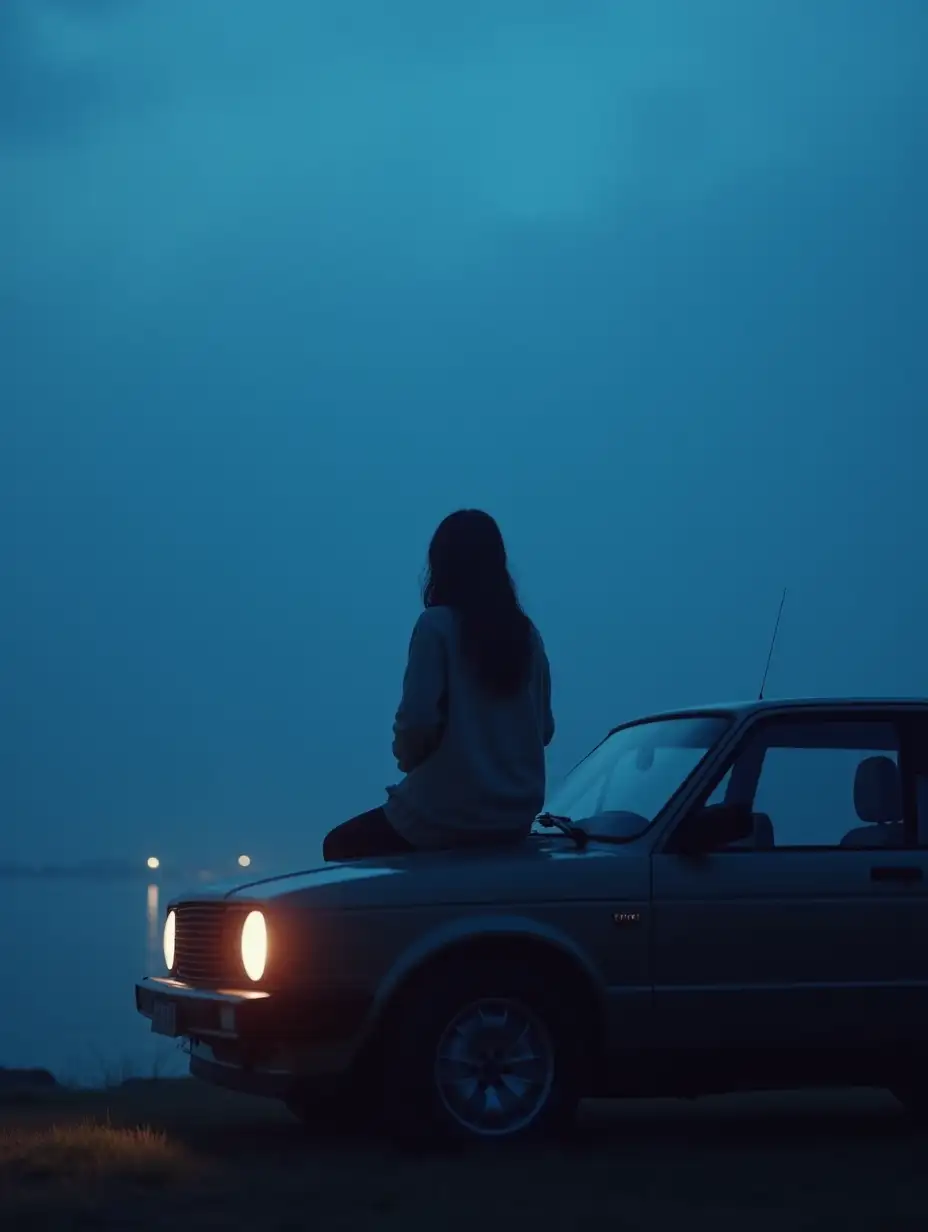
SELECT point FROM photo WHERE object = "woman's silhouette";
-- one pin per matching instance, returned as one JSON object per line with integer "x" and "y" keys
{"x": 475, "y": 715}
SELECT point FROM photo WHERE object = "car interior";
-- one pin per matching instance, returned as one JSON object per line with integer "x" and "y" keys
{"x": 877, "y": 803}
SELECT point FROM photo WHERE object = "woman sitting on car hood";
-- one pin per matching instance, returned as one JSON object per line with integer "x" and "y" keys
{"x": 475, "y": 715}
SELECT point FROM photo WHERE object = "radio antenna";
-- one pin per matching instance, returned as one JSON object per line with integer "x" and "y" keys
{"x": 773, "y": 642}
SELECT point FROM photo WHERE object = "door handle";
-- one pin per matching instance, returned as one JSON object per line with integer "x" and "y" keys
{"x": 895, "y": 872}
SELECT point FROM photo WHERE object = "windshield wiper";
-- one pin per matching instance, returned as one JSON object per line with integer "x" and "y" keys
{"x": 553, "y": 822}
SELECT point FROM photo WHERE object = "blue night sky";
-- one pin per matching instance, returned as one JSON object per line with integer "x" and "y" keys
{"x": 281, "y": 284}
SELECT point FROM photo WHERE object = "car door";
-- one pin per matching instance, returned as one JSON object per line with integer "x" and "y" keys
{"x": 821, "y": 937}
{"x": 915, "y": 785}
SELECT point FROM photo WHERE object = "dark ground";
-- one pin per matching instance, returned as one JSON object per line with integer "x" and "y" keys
{"x": 208, "y": 1160}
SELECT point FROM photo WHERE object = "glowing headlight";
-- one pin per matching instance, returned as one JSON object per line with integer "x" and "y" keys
{"x": 254, "y": 945}
{"x": 170, "y": 936}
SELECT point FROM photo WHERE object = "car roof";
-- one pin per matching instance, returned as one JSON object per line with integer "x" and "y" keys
{"x": 743, "y": 709}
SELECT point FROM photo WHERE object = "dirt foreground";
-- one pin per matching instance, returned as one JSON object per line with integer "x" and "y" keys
{"x": 175, "y": 1154}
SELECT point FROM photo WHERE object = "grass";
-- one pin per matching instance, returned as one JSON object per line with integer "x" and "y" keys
{"x": 90, "y": 1151}
{"x": 70, "y": 1173}
{"x": 165, "y": 1153}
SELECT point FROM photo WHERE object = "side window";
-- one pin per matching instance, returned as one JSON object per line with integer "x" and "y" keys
{"x": 830, "y": 783}
{"x": 720, "y": 790}
{"x": 920, "y": 770}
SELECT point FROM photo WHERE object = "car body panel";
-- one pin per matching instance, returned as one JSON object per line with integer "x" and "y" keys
{"x": 791, "y": 948}
{"x": 536, "y": 870}
{"x": 763, "y": 951}
{"x": 613, "y": 959}
{"x": 592, "y": 905}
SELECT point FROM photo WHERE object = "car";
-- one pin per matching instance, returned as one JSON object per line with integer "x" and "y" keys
{"x": 728, "y": 897}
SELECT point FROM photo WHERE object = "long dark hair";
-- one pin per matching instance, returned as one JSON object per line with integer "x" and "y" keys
{"x": 467, "y": 571}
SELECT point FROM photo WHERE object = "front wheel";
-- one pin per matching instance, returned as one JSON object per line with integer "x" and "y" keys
{"x": 488, "y": 1053}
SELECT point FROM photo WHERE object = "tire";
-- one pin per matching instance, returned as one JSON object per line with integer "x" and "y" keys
{"x": 434, "y": 1089}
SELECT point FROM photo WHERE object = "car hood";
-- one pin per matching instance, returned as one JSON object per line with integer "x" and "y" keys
{"x": 537, "y": 870}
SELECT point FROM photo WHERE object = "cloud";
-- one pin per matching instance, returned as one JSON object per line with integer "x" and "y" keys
{"x": 143, "y": 138}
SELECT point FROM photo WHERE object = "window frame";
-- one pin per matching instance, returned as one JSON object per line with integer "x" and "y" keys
{"x": 907, "y": 724}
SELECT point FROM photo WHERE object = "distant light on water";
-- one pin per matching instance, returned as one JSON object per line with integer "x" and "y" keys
{"x": 244, "y": 861}
{"x": 153, "y": 862}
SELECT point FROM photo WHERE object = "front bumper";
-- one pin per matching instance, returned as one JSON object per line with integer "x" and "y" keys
{"x": 255, "y": 1040}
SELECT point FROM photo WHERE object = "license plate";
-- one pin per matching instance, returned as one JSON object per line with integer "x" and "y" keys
{"x": 164, "y": 1018}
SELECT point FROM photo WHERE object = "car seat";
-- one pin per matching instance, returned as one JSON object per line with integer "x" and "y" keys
{"x": 878, "y": 803}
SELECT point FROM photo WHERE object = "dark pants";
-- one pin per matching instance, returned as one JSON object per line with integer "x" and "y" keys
{"x": 367, "y": 835}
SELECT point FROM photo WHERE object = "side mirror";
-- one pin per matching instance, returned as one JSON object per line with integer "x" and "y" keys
{"x": 708, "y": 829}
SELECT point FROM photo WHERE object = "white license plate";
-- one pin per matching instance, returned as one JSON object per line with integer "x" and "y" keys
{"x": 164, "y": 1018}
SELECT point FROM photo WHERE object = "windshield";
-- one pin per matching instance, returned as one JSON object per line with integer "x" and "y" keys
{"x": 618, "y": 790}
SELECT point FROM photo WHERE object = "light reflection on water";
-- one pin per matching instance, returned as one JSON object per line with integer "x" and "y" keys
{"x": 153, "y": 918}
{"x": 73, "y": 949}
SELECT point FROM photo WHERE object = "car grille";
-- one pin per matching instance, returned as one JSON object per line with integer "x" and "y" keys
{"x": 206, "y": 947}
